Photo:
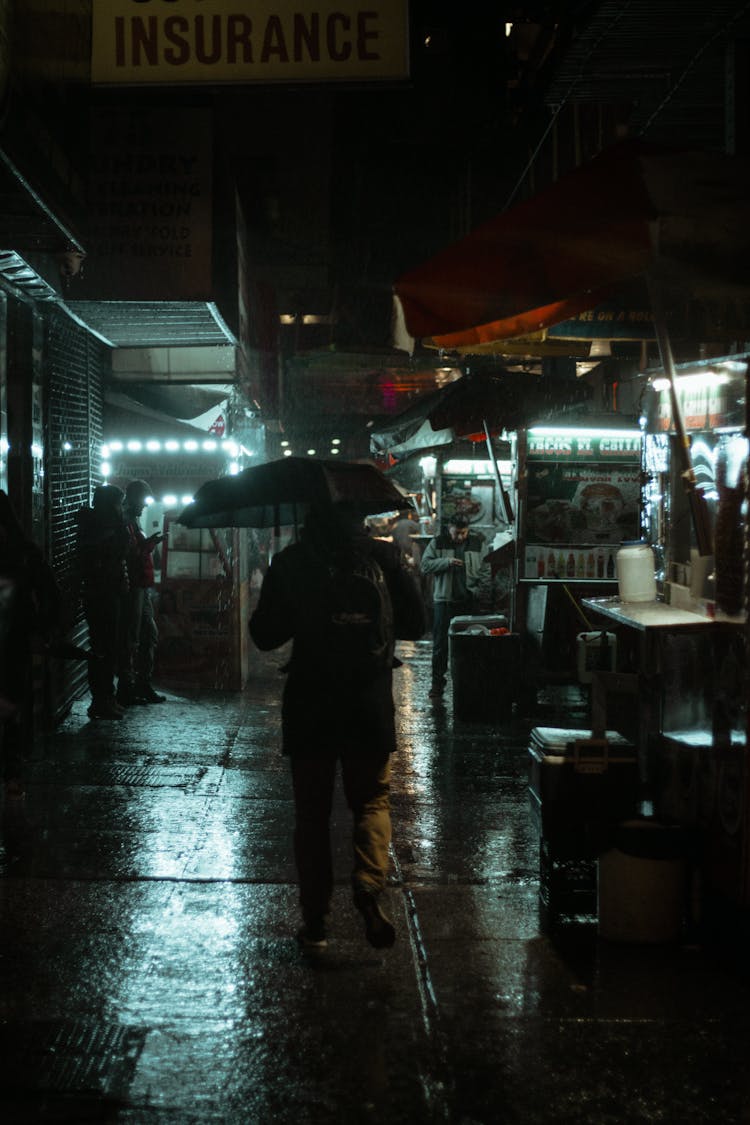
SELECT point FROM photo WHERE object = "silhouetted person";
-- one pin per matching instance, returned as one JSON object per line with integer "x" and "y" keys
{"x": 139, "y": 632}
{"x": 342, "y": 598}
{"x": 29, "y": 613}
{"x": 102, "y": 573}
{"x": 405, "y": 531}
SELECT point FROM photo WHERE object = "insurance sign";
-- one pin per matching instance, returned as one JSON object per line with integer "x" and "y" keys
{"x": 193, "y": 42}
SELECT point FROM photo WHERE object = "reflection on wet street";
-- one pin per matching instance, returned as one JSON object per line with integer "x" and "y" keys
{"x": 150, "y": 972}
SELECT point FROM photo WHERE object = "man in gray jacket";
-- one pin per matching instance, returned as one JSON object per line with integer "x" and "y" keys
{"x": 454, "y": 559}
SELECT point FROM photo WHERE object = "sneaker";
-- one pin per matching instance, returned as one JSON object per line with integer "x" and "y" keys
{"x": 379, "y": 929}
{"x": 312, "y": 936}
{"x": 148, "y": 695}
{"x": 108, "y": 710}
{"x": 126, "y": 697}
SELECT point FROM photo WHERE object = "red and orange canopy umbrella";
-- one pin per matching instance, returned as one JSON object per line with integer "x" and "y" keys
{"x": 636, "y": 210}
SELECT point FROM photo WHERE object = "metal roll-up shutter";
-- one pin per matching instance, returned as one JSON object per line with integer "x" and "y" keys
{"x": 76, "y": 365}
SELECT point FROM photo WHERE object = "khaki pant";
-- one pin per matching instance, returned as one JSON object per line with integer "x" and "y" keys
{"x": 367, "y": 790}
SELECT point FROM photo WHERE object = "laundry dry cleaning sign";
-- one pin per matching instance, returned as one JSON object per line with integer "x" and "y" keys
{"x": 173, "y": 42}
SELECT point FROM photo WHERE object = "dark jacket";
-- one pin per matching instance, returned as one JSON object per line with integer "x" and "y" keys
{"x": 322, "y": 708}
{"x": 29, "y": 608}
{"x": 101, "y": 550}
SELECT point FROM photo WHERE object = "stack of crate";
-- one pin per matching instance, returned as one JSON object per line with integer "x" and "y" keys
{"x": 580, "y": 788}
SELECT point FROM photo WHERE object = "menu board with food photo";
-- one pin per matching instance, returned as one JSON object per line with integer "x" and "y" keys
{"x": 577, "y": 506}
{"x": 474, "y": 499}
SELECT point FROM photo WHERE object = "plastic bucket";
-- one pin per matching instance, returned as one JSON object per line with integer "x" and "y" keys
{"x": 595, "y": 652}
{"x": 636, "y": 576}
{"x": 642, "y": 884}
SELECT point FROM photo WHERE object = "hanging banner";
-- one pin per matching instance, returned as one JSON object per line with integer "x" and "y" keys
{"x": 178, "y": 42}
{"x": 150, "y": 206}
{"x": 709, "y": 399}
{"x": 611, "y": 320}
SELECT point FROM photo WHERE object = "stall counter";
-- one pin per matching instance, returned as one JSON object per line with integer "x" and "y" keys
{"x": 647, "y": 615}
{"x": 653, "y": 621}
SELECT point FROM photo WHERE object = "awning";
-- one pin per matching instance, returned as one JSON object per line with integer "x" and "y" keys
{"x": 504, "y": 400}
{"x": 636, "y": 209}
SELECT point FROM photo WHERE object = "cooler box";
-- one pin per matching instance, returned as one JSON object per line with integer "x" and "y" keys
{"x": 575, "y": 780}
{"x": 479, "y": 625}
{"x": 579, "y": 789}
{"x": 485, "y": 668}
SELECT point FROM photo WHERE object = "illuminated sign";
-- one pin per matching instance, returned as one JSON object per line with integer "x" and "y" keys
{"x": 568, "y": 446}
{"x": 177, "y": 42}
{"x": 709, "y": 399}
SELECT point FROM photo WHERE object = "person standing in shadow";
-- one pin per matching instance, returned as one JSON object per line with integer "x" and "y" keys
{"x": 102, "y": 575}
{"x": 30, "y": 605}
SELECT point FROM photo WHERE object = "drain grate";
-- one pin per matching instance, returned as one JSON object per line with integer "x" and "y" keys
{"x": 67, "y": 1057}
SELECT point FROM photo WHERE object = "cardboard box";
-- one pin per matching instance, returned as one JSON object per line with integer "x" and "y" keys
{"x": 184, "y": 564}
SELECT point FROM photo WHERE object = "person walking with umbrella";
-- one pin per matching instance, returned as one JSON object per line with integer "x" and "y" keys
{"x": 342, "y": 598}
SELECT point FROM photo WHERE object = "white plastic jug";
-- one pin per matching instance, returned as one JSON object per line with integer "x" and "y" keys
{"x": 636, "y": 569}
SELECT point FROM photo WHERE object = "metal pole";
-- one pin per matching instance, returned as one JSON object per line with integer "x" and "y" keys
{"x": 698, "y": 508}
{"x": 496, "y": 469}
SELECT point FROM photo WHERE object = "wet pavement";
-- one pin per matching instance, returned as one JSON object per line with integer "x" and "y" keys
{"x": 150, "y": 973}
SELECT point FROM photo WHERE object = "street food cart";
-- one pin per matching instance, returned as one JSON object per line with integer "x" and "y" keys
{"x": 683, "y": 657}
{"x": 579, "y": 497}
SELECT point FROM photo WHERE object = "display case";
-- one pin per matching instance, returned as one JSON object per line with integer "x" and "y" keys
{"x": 579, "y": 497}
{"x": 202, "y": 607}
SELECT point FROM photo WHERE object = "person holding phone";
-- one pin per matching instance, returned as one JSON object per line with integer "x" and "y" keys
{"x": 140, "y": 633}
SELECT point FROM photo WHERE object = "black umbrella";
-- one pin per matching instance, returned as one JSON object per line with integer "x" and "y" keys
{"x": 477, "y": 406}
{"x": 496, "y": 400}
{"x": 279, "y": 493}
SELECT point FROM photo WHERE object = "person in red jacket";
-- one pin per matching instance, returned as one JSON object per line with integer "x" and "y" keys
{"x": 140, "y": 634}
